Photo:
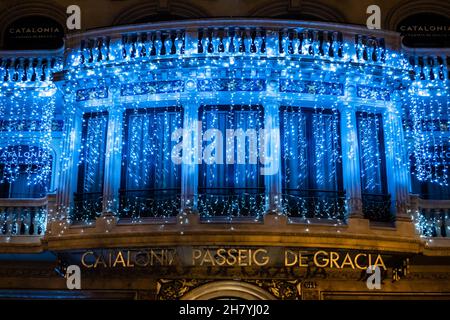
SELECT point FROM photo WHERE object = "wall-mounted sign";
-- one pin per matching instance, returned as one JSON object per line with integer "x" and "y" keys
{"x": 229, "y": 257}
{"x": 425, "y": 30}
{"x": 33, "y": 32}
{"x": 23, "y": 155}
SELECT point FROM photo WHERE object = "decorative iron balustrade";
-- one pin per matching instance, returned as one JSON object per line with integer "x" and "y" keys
{"x": 432, "y": 217}
{"x": 136, "y": 204}
{"x": 231, "y": 202}
{"x": 23, "y": 217}
{"x": 377, "y": 207}
{"x": 314, "y": 204}
{"x": 87, "y": 206}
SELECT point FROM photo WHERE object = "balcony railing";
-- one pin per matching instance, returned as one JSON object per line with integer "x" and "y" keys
{"x": 23, "y": 216}
{"x": 136, "y": 204}
{"x": 87, "y": 206}
{"x": 31, "y": 67}
{"x": 231, "y": 202}
{"x": 314, "y": 204}
{"x": 377, "y": 207}
{"x": 267, "y": 38}
{"x": 432, "y": 217}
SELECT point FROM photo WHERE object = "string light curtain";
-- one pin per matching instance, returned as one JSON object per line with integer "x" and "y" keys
{"x": 372, "y": 157}
{"x": 234, "y": 188}
{"x": 88, "y": 201}
{"x": 428, "y": 133}
{"x": 26, "y": 156}
{"x": 151, "y": 181}
{"x": 311, "y": 162}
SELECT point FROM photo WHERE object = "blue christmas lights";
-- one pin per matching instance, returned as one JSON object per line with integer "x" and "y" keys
{"x": 232, "y": 67}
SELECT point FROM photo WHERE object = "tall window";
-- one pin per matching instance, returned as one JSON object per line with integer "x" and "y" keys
{"x": 88, "y": 199}
{"x": 376, "y": 202}
{"x": 151, "y": 181}
{"x": 230, "y": 183}
{"x": 311, "y": 163}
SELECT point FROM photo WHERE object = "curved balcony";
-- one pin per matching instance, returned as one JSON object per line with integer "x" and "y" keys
{"x": 251, "y": 61}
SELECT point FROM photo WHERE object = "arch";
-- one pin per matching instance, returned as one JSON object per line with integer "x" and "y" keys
{"x": 228, "y": 289}
{"x": 47, "y": 9}
{"x": 308, "y": 8}
{"x": 410, "y": 7}
{"x": 179, "y": 9}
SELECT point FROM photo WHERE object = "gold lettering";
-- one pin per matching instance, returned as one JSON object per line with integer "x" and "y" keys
{"x": 379, "y": 262}
{"x": 334, "y": 256}
{"x": 121, "y": 260}
{"x": 129, "y": 263}
{"x": 207, "y": 258}
{"x": 347, "y": 261}
{"x": 220, "y": 254}
{"x": 264, "y": 259}
{"x": 302, "y": 260}
{"x": 357, "y": 263}
{"x": 100, "y": 260}
{"x": 231, "y": 255}
{"x": 83, "y": 261}
{"x": 287, "y": 254}
{"x": 196, "y": 254}
{"x": 158, "y": 256}
{"x": 242, "y": 256}
{"x": 325, "y": 260}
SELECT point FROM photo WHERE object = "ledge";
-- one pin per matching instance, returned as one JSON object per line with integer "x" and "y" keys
{"x": 21, "y": 244}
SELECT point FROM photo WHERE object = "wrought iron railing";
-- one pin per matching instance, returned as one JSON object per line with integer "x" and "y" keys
{"x": 319, "y": 204}
{"x": 377, "y": 207}
{"x": 231, "y": 202}
{"x": 87, "y": 206}
{"x": 23, "y": 216}
{"x": 135, "y": 204}
{"x": 432, "y": 217}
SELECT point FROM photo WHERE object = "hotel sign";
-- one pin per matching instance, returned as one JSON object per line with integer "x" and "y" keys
{"x": 425, "y": 30}
{"x": 229, "y": 257}
{"x": 34, "y": 32}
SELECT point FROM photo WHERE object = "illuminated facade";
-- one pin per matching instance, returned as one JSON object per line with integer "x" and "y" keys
{"x": 290, "y": 155}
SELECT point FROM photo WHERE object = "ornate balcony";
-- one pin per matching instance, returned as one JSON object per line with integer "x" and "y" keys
{"x": 432, "y": 217}
{"x": 189, "y": 64}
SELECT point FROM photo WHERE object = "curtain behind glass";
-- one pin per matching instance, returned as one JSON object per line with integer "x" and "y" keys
{"x": 239, "y": 177}
{"x": 371, "y": 153}
{"x": 94, "y": 145}
{"x": 311, "y": 154}
{"x": 149, "y": 163}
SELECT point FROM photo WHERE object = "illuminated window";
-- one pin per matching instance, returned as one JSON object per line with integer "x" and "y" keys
{"x": 311, "y": 163}
{"x": 230, "y": 184}
{"x": 88, "y": 199}
{"x": 151, "y": 181}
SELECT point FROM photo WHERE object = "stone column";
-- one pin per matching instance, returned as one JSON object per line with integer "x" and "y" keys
{"x": 67, "y": 180}
{"x": 270, "y": 155}
{"x": 350, "y": 161}
{"x": 191, "y": 159}
{"x": 396, "y": 162}
{"x": 113, "y": 159}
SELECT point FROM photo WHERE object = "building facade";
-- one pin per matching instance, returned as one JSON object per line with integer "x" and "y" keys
{"x": 175, "y": 150}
